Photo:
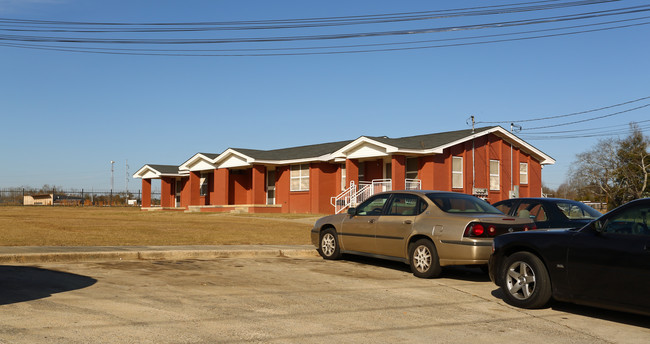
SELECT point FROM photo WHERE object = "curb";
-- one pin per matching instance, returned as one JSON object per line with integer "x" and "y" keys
{"x": 155, "y": 254}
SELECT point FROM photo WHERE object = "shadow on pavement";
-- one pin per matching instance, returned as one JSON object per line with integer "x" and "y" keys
{"x": 592, "y": 312}
{"x": 26, "y": 283}
{"x": 467, "y": 273}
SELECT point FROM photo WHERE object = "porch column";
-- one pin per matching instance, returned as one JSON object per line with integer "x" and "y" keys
{"x": 166, "y": 196}
{"x": 257, "y": 184}
{"x": 352, "y": 171}
{"x": 146, "y": 193}
{"x": 221, "y": 182}
{"x": 398, "y": 172}
{"x": 195, "y": 187}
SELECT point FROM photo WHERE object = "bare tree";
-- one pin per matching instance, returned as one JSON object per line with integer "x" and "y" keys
{"x": 595, "y": 170}
{"x": 616, "y": 171}
{"x": 634, "y": 167}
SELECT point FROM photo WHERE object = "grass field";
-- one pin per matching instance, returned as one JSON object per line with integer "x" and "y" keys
{"x": 94, "y": 226}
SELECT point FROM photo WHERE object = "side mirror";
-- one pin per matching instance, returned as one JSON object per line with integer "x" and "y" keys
{"x": 352, "y": 211}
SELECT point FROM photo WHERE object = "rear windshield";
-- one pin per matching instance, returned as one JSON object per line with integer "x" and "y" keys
{"x": 461, "y": 203}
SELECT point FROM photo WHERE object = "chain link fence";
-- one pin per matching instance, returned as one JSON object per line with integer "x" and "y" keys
{"x": 25, "y": 196}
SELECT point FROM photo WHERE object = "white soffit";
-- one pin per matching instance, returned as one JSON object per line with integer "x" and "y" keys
{"x": 232, "y": 160}
{"x": 198, "y": 162}
{"x": 364, "y": 147}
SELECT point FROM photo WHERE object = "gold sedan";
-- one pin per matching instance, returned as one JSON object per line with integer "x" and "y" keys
{"x": 426, "y": 229}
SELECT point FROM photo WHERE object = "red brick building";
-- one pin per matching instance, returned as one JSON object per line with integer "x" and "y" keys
{"x": 488, "y": 162}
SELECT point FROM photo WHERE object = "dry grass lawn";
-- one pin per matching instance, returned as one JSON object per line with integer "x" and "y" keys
{"x": 94, "y": 226}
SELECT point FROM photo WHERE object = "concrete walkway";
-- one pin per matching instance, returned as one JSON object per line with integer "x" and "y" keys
{"x": 35, "y": 254}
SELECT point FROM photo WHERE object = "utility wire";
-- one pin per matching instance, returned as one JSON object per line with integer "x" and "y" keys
{"x": 590, "y": 119}
{"x": 26, "y": 24}
{"x": 345, "y": 46}
{"x": 544, "y": 20}
{"x": 566, "y": 115}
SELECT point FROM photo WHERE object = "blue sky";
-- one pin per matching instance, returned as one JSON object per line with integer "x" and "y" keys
{"x": 66, "y": 115}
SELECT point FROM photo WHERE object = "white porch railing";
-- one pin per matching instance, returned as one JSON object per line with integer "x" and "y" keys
{"x": 354, "y": 195}
{"x": 413, "y": 184}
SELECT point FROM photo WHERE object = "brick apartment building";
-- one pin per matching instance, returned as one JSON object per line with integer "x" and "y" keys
{"x": 488, "y": 162}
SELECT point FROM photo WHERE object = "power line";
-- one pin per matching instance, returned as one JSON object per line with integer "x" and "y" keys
{"x": 298, "y": 23}
{"x": 565, "y": 115}
{"x": 589, "y": 119}
{"x": 503, "y": 24}
{"x": 144, "y": 52}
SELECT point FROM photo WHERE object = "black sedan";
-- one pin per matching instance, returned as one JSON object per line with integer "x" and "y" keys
{"x": 549, "y": 212}
{"x": 604, "y": 264}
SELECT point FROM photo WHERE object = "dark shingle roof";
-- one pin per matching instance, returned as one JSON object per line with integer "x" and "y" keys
{"x": 165, "y": 169}
{"x": 292, "y": 153}
{"x": 428, "y": 141}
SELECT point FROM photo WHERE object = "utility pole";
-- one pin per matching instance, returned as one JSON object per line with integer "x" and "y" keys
{"x": 112, "y": 179}
{"x": 126, "y": 187}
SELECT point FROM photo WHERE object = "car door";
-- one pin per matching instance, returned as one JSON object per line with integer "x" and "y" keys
{"x": 358, "y": 230}
{"x": 394, "y": 227}
{"x": 612, "y": 265}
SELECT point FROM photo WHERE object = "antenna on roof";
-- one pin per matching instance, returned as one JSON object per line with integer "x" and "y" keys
{"x": 515, "y": 128}
{"x": 471, "y": 118}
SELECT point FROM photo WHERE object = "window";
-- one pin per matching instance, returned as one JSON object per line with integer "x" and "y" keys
{"x": 373, "y": 206}
{"x": 343, "y": 178}
{"x": 533, "y": 211}
{"x": 494, "y": 175}
{"x": 523, "y": 173}
{"x": 406, "y": 205}
{"x": 300, "y": 177}
{"x": 412, "y": 165}
{"x": 204, "y": 184}
{"x": 457, "y": 172}
{"x": 632, "y": 221}
{"x": 460, "y": 203}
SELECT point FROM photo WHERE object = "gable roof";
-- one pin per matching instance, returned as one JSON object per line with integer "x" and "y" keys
{"x": 364, "y": 146}
{"x": 156, "y": 171}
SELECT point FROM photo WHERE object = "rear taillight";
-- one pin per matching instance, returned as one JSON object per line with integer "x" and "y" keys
{"x": 475, "y": 230}
{"x": 492, "y": 231}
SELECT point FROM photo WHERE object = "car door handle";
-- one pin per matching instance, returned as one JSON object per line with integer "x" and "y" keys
{"x": 407, "y": 222}
{"x": 371, "y": 221}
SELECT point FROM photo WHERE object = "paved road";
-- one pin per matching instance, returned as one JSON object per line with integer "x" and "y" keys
{"x": 280, "y": 300}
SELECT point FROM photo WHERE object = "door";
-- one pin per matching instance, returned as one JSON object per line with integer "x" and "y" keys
{"x": 394, "y": 228}
{"x": 177, "y": 196}
{"x": 358, "y": 230}
{"x": 613, "y": 266}
{"x": 270, "y": 187}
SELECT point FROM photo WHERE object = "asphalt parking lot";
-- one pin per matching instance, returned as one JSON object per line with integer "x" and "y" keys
{"x": 280, "y": 300}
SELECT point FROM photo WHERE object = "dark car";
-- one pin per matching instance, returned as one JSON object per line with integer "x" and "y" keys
{"x": 550, "y": 212}
{"x": 604, "y": 264}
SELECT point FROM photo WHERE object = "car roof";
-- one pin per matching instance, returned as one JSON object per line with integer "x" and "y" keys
{"x": 543, "y": 199}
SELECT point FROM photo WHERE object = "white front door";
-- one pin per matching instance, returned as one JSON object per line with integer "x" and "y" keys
{"x": 270, "y": 187}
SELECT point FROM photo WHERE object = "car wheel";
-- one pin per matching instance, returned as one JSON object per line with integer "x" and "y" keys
{"x": 329, "y": 245}
{"x": 525, "y": 281}
{"x": 424, "y": 259}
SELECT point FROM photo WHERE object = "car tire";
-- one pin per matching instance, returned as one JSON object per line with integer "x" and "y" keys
{"x": 423, "y": 259}
{"x": 328, "y": 246}
{"x": 525, "y": 281}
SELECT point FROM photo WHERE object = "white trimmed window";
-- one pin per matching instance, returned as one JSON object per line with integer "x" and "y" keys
{"x": 523, "y": 173}
{"x": 457, "y": 172}
{"x": 300, "y": 177}
{"x": 494, "y": 175}
{"x": 204, "y": 184}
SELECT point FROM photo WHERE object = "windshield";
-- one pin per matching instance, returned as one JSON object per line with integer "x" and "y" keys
{"x": 461, "y": 203}
{"x": 578, "y": 211}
